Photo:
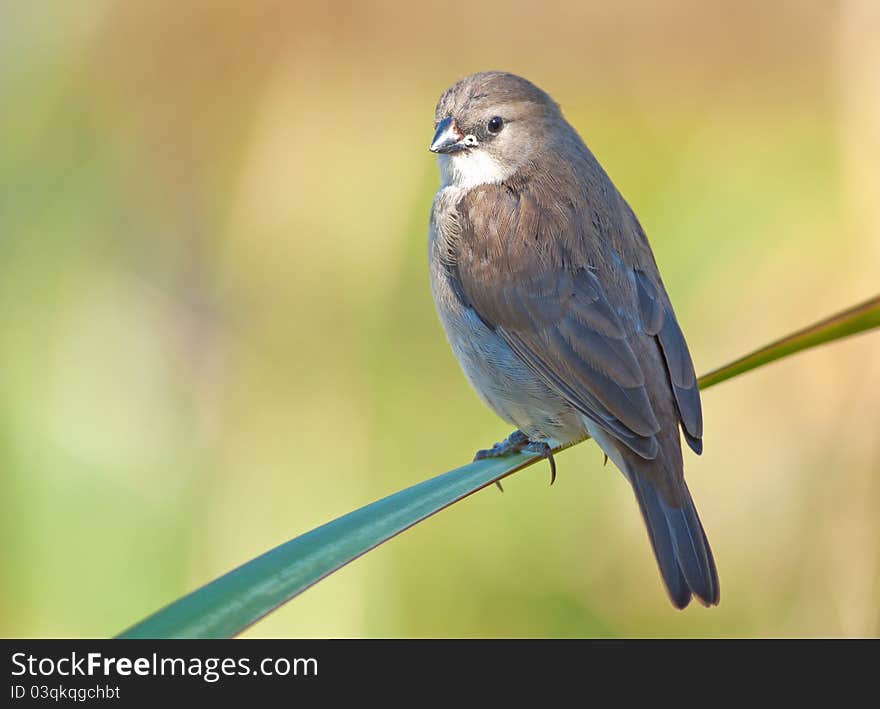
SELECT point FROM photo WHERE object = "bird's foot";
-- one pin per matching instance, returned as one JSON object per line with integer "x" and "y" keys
{"x": 514, "y": 443}
{"x": 518, "y": 442}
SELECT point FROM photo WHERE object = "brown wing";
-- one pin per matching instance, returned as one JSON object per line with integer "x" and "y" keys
{"x": 572, "y": 287}
{"x": 535, "y": 276}
{"x": 658, "y": 320}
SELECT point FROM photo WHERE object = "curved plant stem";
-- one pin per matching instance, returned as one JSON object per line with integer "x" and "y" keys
{"x": 231, "y": 603}
{"x": 849, "y": 322}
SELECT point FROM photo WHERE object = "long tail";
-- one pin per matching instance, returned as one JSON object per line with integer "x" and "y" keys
{"x": 680, "y": 544}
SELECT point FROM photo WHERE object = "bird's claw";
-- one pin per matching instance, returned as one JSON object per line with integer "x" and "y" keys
{"x": 518, "y": 442}
{"x": 544, "y": 450}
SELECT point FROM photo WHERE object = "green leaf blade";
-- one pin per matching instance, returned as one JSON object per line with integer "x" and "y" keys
{"x": 231, "y": 603}
{"x": 852, "y": 321}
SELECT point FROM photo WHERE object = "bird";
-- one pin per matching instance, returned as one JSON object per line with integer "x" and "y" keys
{"x": 552, "y": 302}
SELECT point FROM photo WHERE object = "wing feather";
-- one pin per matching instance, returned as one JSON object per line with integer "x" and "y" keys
{"x": 527, "y": 273}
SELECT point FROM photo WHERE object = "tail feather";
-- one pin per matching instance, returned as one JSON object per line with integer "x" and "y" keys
{"x": 680, "y": 544}
{"x": 661, "y": 541}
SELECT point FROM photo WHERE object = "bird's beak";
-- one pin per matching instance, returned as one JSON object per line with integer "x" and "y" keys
{"x": 448, "y": 138}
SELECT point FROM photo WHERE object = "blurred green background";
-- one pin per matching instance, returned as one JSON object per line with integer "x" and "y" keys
{"x": 216, "y": 330}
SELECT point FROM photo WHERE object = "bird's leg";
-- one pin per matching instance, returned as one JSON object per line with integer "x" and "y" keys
{"x": 518, "y": 442}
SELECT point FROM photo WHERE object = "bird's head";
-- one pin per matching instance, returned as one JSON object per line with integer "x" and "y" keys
{"x": 488, "y": 125}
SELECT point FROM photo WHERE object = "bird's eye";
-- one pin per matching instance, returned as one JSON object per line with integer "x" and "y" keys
{"x": 495, "y": 125}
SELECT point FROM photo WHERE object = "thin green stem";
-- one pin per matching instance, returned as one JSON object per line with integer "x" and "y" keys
{"x": 231, "y": 603}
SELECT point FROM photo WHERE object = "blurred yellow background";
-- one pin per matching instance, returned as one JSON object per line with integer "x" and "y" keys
{"x": 216, "y": 330}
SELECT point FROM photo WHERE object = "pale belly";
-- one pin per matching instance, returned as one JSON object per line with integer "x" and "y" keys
{"x": 506, "y": 386}
{"x": 496, "y": 373}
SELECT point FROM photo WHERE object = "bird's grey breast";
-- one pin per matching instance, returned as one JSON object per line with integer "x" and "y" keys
{"x": 497, "y": 374}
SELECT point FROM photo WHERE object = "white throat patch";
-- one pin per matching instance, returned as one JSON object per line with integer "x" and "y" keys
{"x": 470, "y": 168}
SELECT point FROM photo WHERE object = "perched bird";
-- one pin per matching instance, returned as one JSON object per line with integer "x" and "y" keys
{"x": 553, "y": 304}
